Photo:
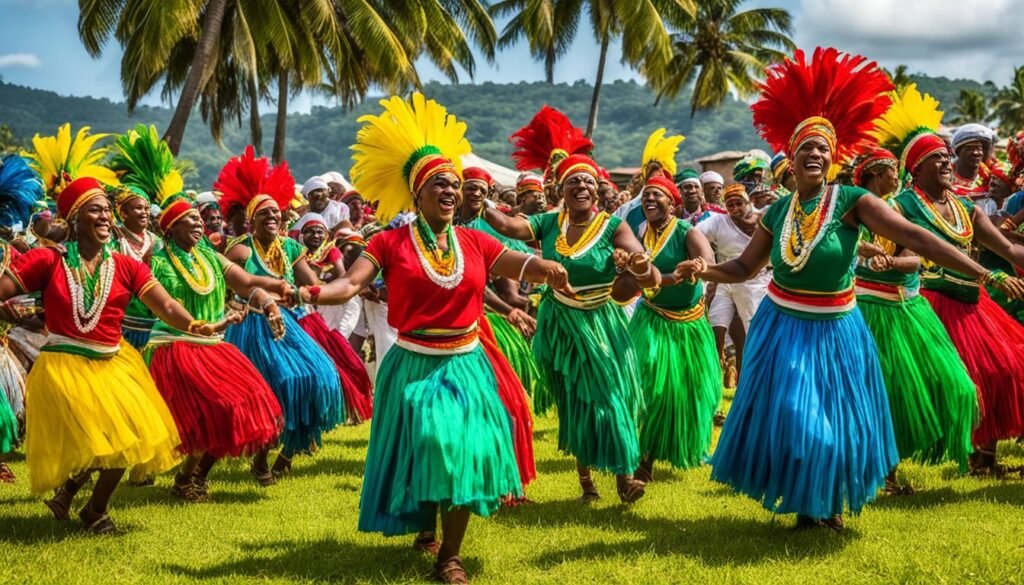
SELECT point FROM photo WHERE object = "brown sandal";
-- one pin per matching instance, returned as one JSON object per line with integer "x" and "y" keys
{"x": 60, "y": 503}
{"x": 450, "y": 571}
{"x": 645, "y": 472}
{"x": 631, "y": 490}
{"x": 590, "y": 493}
{"x": 835, "y": 523}
{"x": 282, "y": 466}
{"x": 893, "y": 488}
{"x": 97, "y": 524}
{"x": 185, "y": 490}
{"x": 263, "y": 476}
{"x": 6, "y": 473}
{"x": 427, "y": 543}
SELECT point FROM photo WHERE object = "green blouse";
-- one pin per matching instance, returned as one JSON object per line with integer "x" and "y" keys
{"x": 293, "y": 251}
{"x": 683, "y": 295}
{"x": 592, "y": 268}
{"x": 830, "y": 266}
{"x": 910, "y": 281}
{"x": 934, "y": 277}
{"x": 480, "y": 224}
{"x": 208, "y": 307}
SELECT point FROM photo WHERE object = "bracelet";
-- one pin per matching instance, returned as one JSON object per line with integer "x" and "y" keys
{"x": 993, "y": 278}
{"x": 314, "y": 293}
{"x": 522, "y": 271}
{"x": 195, "y": 324}
{"x": 1008, "y": 224}
{"x": 650, "y": 267}
{"x": 266, "y": 303}
{"x": 251, "y": 295}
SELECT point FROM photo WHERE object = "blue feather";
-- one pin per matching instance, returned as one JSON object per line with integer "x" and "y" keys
{"x": 20, "y": 189}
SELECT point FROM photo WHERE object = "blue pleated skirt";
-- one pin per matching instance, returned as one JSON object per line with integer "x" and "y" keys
{"x": 440, "y": 436}
{"x": 809, "y": 431}
{"x": 300, "y": 374}
{"x": 136, "y": 330}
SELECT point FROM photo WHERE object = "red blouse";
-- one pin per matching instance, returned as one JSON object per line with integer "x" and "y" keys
{"x": 42, "y": 269}
{"x": 414, "y": 301}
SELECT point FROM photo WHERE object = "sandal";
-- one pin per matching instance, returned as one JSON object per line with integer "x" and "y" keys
{"x": 185, "y": 491}
{"x": 631, "y": 490}
{"x": 282, "y": 466}
{"x": 450, "y": 571}
{"x": 201, "y": 486}
{"x": 983, "y": 464}
{"x": 835, "y": 523}
{"x": 263, "y": 476}
{"x": 590, "y": 493}
{"x": 97, "y": 524}
{"x": 645, "y": 472}
{"x": 60, "y": 503}
{"x": 427, "y": 543}
{"x": 893, "y": 488}
{"x": 6, "y": 473}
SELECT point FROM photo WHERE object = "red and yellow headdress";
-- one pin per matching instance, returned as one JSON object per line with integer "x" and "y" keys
{"x": 253, "y": 184}
{"x": 174, "y": 208}
{"x": 76, "y": 193}
{"x": 399, "y": 150}
{"x": 144, "y": 162}
{"x": 836, "y": 96}
{"x": 735, "y": 191}
{"x": 665, "y": 184}
{"x": 547, "y": 140}
{"x": 480, "y": 175}
{"x": 59, "y": 159}
{"x": 872, "y": 159}
{"x": 908, "y": 127}
{"x": 662, "y": 150}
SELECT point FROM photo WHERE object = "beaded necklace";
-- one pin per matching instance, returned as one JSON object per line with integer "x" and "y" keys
{"x": 193, "y": 268}
{"x": 961, "y": 231}
{"x": 586, "y": 241}
{"x": 89, "y": 292}
{"x": 443, "y": 267}
{"x": 129, "y": 244}
{"x": 654, "y": 240}
{"x": 271, "y": 259}
{"x": 802, "y": 232}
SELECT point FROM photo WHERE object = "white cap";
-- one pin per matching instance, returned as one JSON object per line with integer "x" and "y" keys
{"x": 711, "y": 177}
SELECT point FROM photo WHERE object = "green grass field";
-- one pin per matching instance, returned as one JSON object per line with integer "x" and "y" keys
{"x": 686, "y": 530}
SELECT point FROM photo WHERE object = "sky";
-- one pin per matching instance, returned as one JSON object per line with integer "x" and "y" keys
{"x": 974, "y": 39}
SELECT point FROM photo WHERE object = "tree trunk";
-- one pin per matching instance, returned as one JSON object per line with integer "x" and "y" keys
{"x": 592, "y": 121}
{"x": 255, "y": 128}
{"x": 282, "y": 116}
{"x": 197, "y": 73}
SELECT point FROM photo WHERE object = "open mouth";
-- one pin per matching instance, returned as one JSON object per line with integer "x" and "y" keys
{"x": 650, "y": 206}
{"x": 812, "y": 165}
{"x": 447, "y": 204}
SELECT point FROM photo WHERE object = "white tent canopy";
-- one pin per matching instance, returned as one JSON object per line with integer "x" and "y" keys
{"x": 502, "y": 175}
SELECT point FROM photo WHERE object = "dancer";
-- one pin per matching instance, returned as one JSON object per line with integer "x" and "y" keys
{"x": 90, "y": 403}
{"x": 810, "y": 430}
{"x": 221, "y": 404}
{"x": 301, "y": 375}
{"x": 440, "y": 439}
{"x": 582, "y": 343}
{"x": 932, "y": 399}
{"x": 972, "y": 320}
{"x": 674, "y": 344}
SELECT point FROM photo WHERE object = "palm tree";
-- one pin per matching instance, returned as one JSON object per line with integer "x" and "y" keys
{"x": 722, "y": 49}
{"x": 547, "y": 26}
{"x": 1008, "y": 107}
{"x": 900, "y": 77}
{"x": 971, "y": 106}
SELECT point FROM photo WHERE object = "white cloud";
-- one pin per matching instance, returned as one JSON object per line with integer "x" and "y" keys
{"x": 19, "y": 60}
{"x": 977, "y": 39}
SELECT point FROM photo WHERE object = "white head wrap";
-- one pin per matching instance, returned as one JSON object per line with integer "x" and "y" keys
{"x": 970, "y": 133}
{"x": 711, "y": 177}
{"x": 313, "y": 184}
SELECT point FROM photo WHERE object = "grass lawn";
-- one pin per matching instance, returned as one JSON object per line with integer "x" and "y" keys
{"x": 686, "y": 530}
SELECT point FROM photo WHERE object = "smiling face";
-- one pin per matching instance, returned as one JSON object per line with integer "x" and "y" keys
{"x": 713, "y": 192}
{"x": 811, "y": 162}
{"x": 135, "y": 214}
{"x": 313, "y": 235}
{"x": 439, "y": 198}
{"x": 355, "y": 208}
{"x": 692, "y": 194}
{"x": 187, "y": 231}
{"x": 93, "y": 220}
{"x": 579, "y": 191}
{"x": 737, "y": 207}
{"x": 266, "y": 222}
{"x": 473, "y": 195}
{"x": 657, "y": 204}
{"x": 935, "y": 173}
{"x": 214, "y": 219}
{"x": 317, "y": 200}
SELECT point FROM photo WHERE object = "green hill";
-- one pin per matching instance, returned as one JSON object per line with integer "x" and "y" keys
{"x": 318, "y": 141}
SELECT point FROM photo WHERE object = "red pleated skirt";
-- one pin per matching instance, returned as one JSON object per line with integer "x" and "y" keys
{"x": 355, "y": 382}
{"x": 218, "y": 399}
{"x": 991, "y": 344}
{"x": 514, "y": 397}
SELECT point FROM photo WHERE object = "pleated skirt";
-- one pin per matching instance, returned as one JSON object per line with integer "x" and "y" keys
{"x": 440, "y": 437}
{"x": 8, "y": 426}
{"x": 520, "y": 356}
{"x": 682, "y": 382}
{"x": 355, "y": 382}
{"x": 809, "y": 431}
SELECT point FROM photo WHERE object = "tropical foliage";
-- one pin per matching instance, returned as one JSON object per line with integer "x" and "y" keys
{"x": 1008, "y": 107}
{"x": 971, "y": 106}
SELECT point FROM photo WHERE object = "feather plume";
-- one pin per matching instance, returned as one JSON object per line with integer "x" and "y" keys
{"x": 847, "y": 90}
{"x": 549, "y": 132}
{"x": 245, "y": 176}
{"x": 387, "y": 143}
{"x": 910, "y": 114}
{"x": 59, "y": 160}
{"x": 144, "y": 161}
{"x": 662, "y": 149}
{"x": 20, "y": 190}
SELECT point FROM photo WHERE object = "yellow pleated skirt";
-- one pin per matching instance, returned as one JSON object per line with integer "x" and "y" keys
{"x": 86, "y": 413}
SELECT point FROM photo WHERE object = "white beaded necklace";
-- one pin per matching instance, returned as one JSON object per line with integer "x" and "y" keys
{"x": 446, "y": 282}
{"x": 147, "y": 243}
{"x": 91, "y": 317}
{"x": 798, "y": 262}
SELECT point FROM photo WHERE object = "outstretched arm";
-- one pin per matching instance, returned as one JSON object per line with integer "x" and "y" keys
{"x": 639, "y": 264}
{"x": 988, "y": 235}
{"x": 157, "y": 299}
{"x": 742, "y": 269}
{"x": 519, "y": 266}
{"x": 510, "y": 227}
{"x": 343, "y": 288}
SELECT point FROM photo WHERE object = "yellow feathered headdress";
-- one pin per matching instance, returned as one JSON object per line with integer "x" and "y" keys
{"x": 661, "y": 149}
{"x": 144, "y": 162}
{"x": 60, "y": 160}
{"x": 908, "y": 128}
{"x": 397, "y": 151}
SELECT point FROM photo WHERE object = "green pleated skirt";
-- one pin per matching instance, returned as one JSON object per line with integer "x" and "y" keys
{"x": 589, "y": 361}
{"x": 520, "y": 357}
{"x": 932, "y": 399}
{"x": 682, "y": 382}
{"x": 439, "y": 436}
{"x": 8, "y": 425}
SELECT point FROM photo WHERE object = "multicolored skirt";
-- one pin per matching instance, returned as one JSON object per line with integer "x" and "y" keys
{"x": 809, "y": 431}
{"x": 355, "y": 382}
{"x": 682, "y": 381}
{"x": 12, "y": 378}
{"x": 516, "y": 402}
{"x": 299, "y": 373}
{"x": 990, "y": 343}
{"x": 932, "y": 399}
{"x": 589, "y": 361}
{"x": 520, "y": 357}
{"x": 220, "y": 402}
{"x": 136, "y": 330}
{"x": 441, "y": 436}
{"x": 83, "y": 413}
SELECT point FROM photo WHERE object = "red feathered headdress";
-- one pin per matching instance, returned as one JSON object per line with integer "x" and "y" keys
{"x": 546, "y": 140}
{"x": 252, "y": 183}
{"x": 836, "y": 96}
{"x": 873, "y": 158}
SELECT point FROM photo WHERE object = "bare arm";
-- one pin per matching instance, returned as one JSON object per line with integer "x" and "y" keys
{"x": 746, "y": 266}
{"x": 988, "y": 235}
{"x": 304, "y": 274}
{"x": 9, "y": 287}
{"x": 170, "y": 311}
{"x": 244, "y": 283}
{"x": 510, "y": 227}
{"x": 343, "y": 288}
{"x": 646, "y": 275}
{"x": 519, "y": 266}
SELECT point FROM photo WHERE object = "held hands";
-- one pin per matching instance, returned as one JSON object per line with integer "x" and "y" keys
{"x": 13, "y": 311}
{"x": 881, "y": 262}
{"x": 870, "y": 250}
{"x": 556, "y": 276}
{"x": 1013, "y": 287}
{"x": 637, "y": 263}
{"x": 689, "y": 270}
{"x": 275, "y": 320}
{"x": 526, "y": 324}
